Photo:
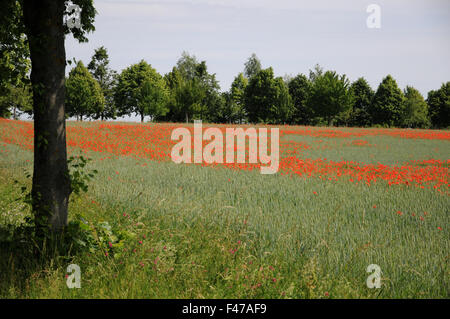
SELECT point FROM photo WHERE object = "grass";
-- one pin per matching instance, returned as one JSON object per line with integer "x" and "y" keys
{"x": 221, "y": 233}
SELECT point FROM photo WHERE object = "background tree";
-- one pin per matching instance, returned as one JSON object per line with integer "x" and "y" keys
{"x": 188, "y": 66}
{"x": 283, "y": 108}
{"x": 267, "y": 99}
{"x": 415, "y": 112}
{"x": 388, "y": 103}
{"x": 315, "y": 73}
{"x": 152, "y": 97}
{"x": 252, "y": 66}
{"x": 299, "y": 89}
{"x": 259, "y": 96}
{"x": 237, "y": 99}
{"x": 173, "y": 80}
{"x": 193, "y": 91}
{"x": 107, "y": 78}
{"x": 362, "y": 99}
{"x": 15, "y": 100}
{"x": 439, "y": 106}
{"x": 229, "y": 110}
{"x": 189, "y": 96}
{"x": 141, "y": 90}
{"x": 84, "y": 96}
{"x": 330, "y": 97}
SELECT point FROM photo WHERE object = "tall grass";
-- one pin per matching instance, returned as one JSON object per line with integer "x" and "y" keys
{"x": 218, "y": 233}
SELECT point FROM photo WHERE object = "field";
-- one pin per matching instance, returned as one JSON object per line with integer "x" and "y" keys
{"x": 344, "y": 198}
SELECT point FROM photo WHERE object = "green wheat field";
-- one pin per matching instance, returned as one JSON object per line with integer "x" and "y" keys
{"x": 188, "y": 231}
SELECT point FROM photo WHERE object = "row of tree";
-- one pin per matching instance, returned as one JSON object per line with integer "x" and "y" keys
{"x": 190, "y": 92}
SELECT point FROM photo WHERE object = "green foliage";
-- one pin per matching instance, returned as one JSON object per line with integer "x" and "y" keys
{"x": 194, "y": 93}
{"x": 97, "y": 237}
{"x": 235, "y": 110}
{"x": 15, "y": 63}
{"x": 330, "y": 97}
{"x": 415, "y": 113}
{"x": 14, "y": 54}
{"x": 185, "y": 98}
{"x": 84, "y": 95}
{"x": 283, "y": 108}
{"x": 439, "y": 106}
{"x": 107, "y": 78}
{"x": 88, "y": 14}
{"x": 362, "y": 98}
{"x": 388, "y": 103}
{"x": 252, "y": 66}
{"x": 141, "y": 90}
{"x": 267, "y": 99}
{"x": 315, "y": 73}
{"x": 16, "y": 100}
{"x": 152, "y": 97}
{"x": 32, "y": 234}
{"x": 299, "y": 89}
{"x": 79, "y": 178}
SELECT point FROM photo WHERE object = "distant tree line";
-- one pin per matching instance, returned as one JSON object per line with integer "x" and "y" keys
{"x": 190, "y": 92}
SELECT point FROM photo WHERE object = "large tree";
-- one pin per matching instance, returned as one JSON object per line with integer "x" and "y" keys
{"x": 100, "y": 70}
{"x": 439, "y": 106}
{"x": 236, "y": 109}
{"x": 141, "y": 90}
{"x": 188, "y": 97}
{"x": 362, "y": 99}
{"x": 43, "y": 24}
{"x": 267, "y": 99}
{"x": 84, "y": 96}
{"x": 330, "y": 97}
{"x": 194, "y": 93}
{"x": 299, "y": 89}
{"x": 415, "y": 112}
{"x": 388, "y": 103}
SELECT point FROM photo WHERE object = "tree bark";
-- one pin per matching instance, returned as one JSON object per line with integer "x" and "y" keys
{"x": 51, "y": 182}
{"x": 142, "y": 117}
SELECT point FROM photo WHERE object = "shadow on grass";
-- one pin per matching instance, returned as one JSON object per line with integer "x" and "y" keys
{"x": 22, "y": 257}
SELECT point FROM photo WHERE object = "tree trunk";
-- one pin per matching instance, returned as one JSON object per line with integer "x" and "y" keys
{"x": 187, "y": 118}
{"x": 142, "y": 117}
{"x": 51, "y": 182}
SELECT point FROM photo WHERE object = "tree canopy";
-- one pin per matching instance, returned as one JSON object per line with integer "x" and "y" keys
{"x": 388, "y": 103}
{"x": 329, "y": 96}
{"x": 439, "y": 106}
{"x": 299, "y": 89}
{"x": 84, "y": 96}
{"x": 267, "y": 98}
{"x": 141, "y": 90}
{"x": 415, "y": 112}
{"x": 100, "y": 70}
{"x": 362, "y": 98}
{"x": 252, "y": 66}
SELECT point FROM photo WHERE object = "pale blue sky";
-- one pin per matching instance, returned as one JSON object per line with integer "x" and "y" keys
{"x": 413, "y": 43}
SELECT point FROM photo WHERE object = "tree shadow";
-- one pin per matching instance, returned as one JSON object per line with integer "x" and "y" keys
{"x": 22, "y": 257}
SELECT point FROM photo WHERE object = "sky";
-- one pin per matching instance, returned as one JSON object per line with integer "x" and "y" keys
{"x": 412, "y": 44}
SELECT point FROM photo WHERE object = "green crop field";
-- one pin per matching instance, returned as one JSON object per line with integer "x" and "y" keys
{"x": 167, "y": 230}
